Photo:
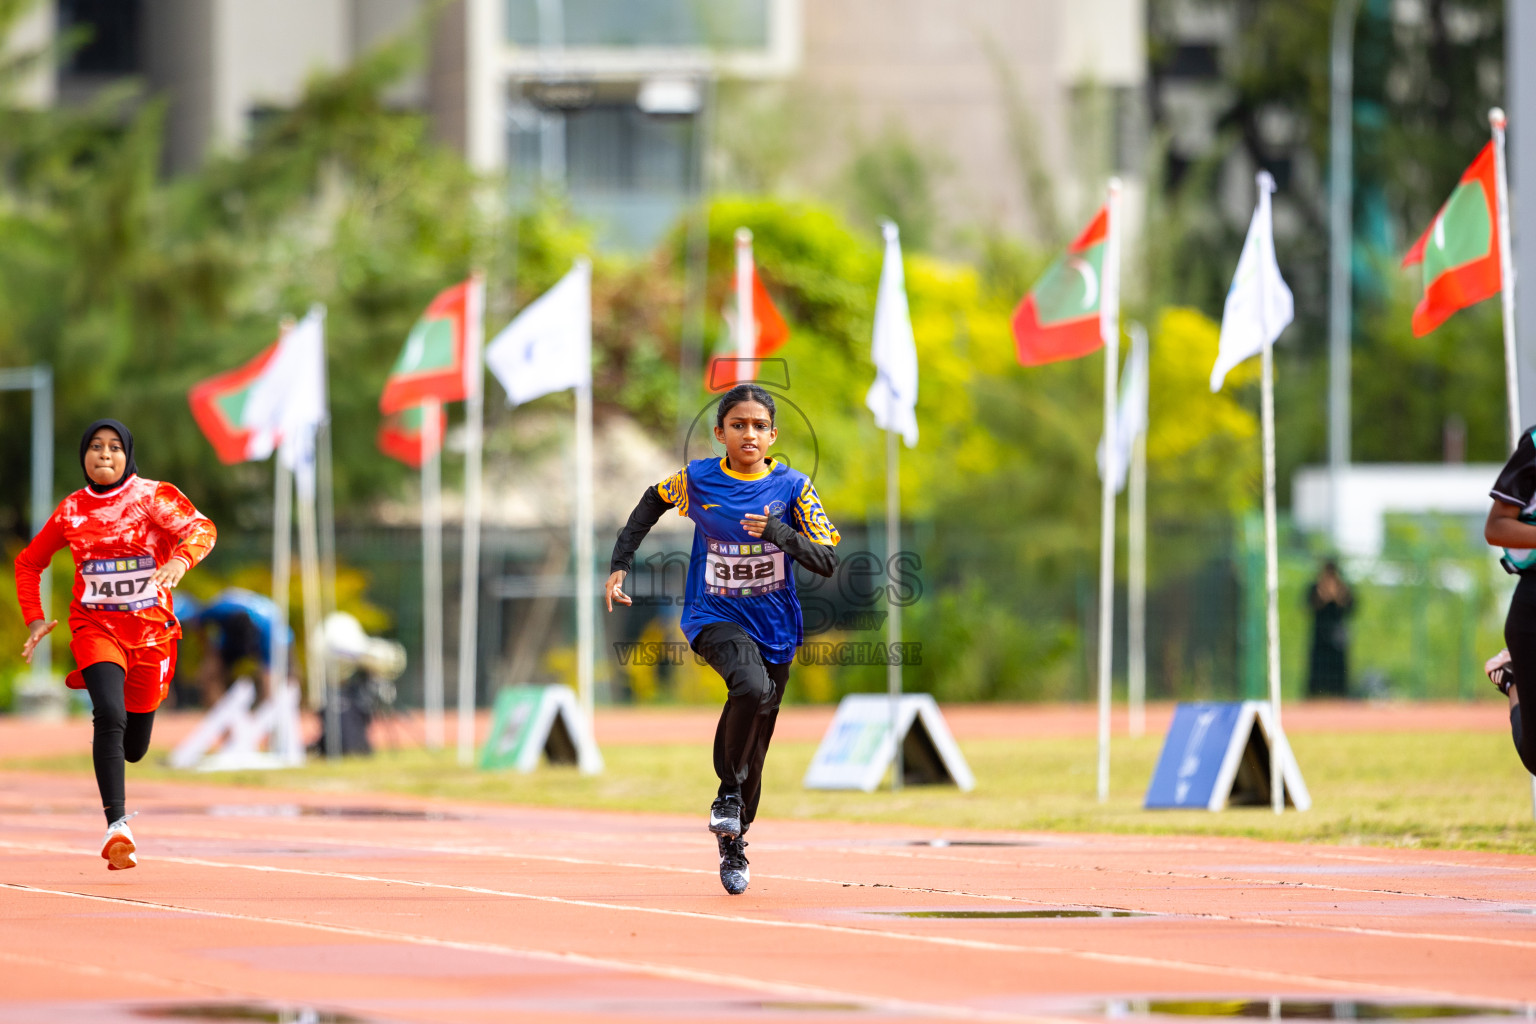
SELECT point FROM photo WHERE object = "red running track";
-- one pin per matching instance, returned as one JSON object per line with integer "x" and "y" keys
{"x": 257, "y": 905}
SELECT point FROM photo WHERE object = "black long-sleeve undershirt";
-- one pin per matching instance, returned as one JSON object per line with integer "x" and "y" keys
{"x": 818, "y": 558}
{"x": 646, "y": 515}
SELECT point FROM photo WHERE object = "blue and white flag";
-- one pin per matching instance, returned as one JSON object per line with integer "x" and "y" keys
{"x": 893, "y": 396}
{"x": 548, "y": 346}
{"x": 1259, "y": 303}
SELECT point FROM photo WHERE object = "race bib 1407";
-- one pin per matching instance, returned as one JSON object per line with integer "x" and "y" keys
{"x": 743, "y": 570}
{"x": 119, "y": 584}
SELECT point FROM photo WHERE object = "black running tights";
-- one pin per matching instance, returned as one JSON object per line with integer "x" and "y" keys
{"x": 119, "y": 735}
{"x": 756, "y": 688}
{"x": 1520, "y": 638}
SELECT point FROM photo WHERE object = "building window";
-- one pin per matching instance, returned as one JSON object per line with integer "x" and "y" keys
{"x": 620, "y": 149}
{"x": 110, "y": 31}
{"x": 628, "y": 24}
{"x": 631, "y": 173}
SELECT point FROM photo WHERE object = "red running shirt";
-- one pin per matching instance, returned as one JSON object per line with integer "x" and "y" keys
{"x": 118, "y": 539}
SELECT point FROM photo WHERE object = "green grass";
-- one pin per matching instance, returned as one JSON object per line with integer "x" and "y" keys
{"x": 1447, "y": 790}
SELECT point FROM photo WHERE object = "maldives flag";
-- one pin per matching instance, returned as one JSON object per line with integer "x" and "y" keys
{"x": 1059, "y": 318}
{"x": 433, "y": 363}
{"x": 1460, "y": 249}
{"x": 218, "y": 406}
{"x": 772, "y": 333}
{"x": 401, "y": 436}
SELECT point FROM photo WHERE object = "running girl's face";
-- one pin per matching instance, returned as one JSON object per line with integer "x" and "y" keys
{"x": 105, "y": 459}
{"x": 747, "y": 435}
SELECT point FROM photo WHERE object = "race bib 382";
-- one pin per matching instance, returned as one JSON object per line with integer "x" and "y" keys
{"x": 743, "y": 570}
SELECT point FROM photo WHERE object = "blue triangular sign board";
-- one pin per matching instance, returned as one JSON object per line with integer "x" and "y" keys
{"x": 1218, "y": 754}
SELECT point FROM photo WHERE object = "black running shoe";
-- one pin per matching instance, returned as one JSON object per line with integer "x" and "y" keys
{"x": 725, "y": 816}
{"x": 734, "y": 871}
{"x": 1501, "y": 672}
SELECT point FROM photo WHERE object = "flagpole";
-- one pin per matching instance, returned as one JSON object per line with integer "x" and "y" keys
{"x": 586, "y": 582}
{"x": 469, "y": 572}
{"x": 327, "y": 511}
{"x": 1136, "y": 584}
{"x": 893, "y": 609}
{"x": 746, "y": 323}
{"x": 432, "y": 570}
{"x": 282, "y": 561}
{"x": 893, "y": 622}
{"x": 309, "y": 576}
{"x": 1497, "y": 122}
{"x": 1506, "y": 278}
{"x": 1109, "y": 328}
{"x": 311, "y": 562}
{"x": 1266, "y": 186}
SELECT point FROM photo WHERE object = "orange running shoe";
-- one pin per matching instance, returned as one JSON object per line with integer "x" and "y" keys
{"x": 117, "y": 848}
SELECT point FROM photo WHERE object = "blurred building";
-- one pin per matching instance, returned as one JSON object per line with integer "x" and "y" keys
{"x": 610, "y": 100}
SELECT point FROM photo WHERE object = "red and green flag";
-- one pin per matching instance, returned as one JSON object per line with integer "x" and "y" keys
{"x": 218, "y": 406}
{"x": 401, "y": 435}
{"x": 1059, "y": 318}
{"x": 1460, "y": 250}
{"x": 432, "y": 364}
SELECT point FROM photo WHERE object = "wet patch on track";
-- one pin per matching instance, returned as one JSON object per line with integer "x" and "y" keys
{"x": 1027, "y": 915}
{"x": 218, "y": 1013}
{"x": 1268, "y": 1008}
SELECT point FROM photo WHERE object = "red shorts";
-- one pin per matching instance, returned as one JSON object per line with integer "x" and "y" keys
{"x": 147, "y": 670}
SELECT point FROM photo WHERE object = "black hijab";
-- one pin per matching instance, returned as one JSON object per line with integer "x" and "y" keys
{"x": 85, "y": 446}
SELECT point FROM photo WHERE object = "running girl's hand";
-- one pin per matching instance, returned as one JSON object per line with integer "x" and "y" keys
{"x": 170, "y": 573}
{"x": 39, "y": 630}
{"x": 755, "y": 524}
{"x": 611, "y": 591}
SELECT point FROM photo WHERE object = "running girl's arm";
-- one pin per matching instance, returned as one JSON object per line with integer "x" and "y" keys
{"x": 32, "y": 563}
{"x": 1503, "y": 529}
{"x": 646, "y": 515}
{"x": 812, "y": 540}
{"x": 670, "y": 493}
{"x": 174, "y": 513}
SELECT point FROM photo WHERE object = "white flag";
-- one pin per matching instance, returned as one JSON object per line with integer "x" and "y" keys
{"x": 548, "y": 347}
{"x": 893, "y": 396}
{"x": 1131, "y": 417}
{"x": 1259, "y": 304}
{"x": 287, "y": 403}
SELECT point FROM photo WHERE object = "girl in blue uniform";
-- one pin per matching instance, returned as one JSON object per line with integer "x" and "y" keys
{"x": 754, "y": 519}
{"x": 1512, "y": 526}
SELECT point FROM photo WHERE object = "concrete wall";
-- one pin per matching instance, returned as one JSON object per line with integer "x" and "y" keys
{"x": 218, "y": 61}
{"x": 33, "y": 34}
{"x": 930, "y": 69}
{"x": 266, "y": 51}
{"x": 179, "y": 57}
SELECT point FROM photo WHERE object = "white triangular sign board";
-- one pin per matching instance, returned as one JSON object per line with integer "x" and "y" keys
{"x": 859, "y": 747}
{"x": 232, "y": 736}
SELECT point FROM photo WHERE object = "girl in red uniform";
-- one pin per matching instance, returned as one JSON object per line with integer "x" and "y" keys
{"x": 132, "y": 540}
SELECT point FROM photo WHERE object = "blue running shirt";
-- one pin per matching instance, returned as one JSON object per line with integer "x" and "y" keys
{"x": 1516, "y": 486}
{"x": 733, "y": 576}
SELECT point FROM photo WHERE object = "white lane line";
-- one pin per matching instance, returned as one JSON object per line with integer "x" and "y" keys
{"x": 979, "y": 945}
{"x": 118, "y": 974}
{"x": 929, "y": 856}
{"x": 1282, "y": 883}
{"x": 466, "y": 851}
{"x": 730, "y": 981}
